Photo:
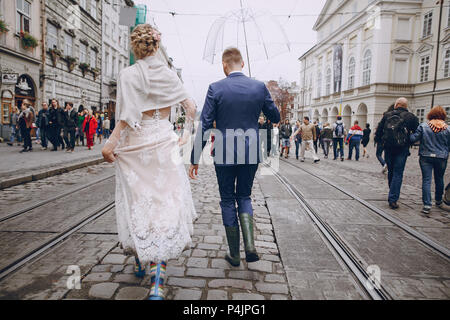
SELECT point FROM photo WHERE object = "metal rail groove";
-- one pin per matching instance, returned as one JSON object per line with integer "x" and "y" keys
{"x": 374, "y": 290}
{"x": 416, "y": 234}
{"x": 62, "y": 195}
{"x": 55, "y": 240}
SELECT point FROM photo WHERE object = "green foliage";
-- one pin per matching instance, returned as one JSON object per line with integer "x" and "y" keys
{"x": 28, "y": 41}
{"x": 3, "y": 27}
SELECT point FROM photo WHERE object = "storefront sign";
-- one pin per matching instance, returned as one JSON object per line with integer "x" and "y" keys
{"x": 10, "y": 78}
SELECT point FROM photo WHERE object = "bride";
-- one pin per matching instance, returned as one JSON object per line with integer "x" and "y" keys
{"x": 154, "y": 206}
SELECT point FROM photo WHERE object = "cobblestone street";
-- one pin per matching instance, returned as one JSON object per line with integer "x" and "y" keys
{"x": 297, "y": 261}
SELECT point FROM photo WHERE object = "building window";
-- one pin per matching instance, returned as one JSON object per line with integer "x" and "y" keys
{"x": 52, "y": 36}
{"x": 106, "y": 62}
{"x": 23, "y": 18}
{"x": 447, "y": 110}
{"x": 328, "y": 82}
{"x": 447, "y": 63}
{"x": 106, "y": 26}
{"x": 319, "y": 84}
{"x": 367, "y": 66}
{"x": 113, "y": 67}
{"x": 427, "y": 24}
{"x": 113, "y": 29}
{"x": 94, "y": 9}
{"x": 83, "y": 53}
{"x": 68, "y": 47}
{"x": 351, "y": 73}
{"x": 420, "y": 113}
{"x": 424, "y": 68}
{"x": 83, "y": 4}
{"x": 93, "y": 59}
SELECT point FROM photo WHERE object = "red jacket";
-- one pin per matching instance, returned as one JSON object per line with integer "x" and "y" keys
{"x": 92, "y": 124}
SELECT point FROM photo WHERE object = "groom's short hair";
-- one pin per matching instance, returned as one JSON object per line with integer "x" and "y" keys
{"x": 232, "y": 56}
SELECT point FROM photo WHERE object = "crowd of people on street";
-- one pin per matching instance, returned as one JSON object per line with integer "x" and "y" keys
{"x": 395, "y": 135}
{"x": 64, "y": 128}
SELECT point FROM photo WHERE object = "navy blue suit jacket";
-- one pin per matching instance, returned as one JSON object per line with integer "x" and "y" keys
{"x": 235, "y": 103}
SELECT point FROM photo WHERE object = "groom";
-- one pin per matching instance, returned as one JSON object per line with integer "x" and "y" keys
{"x": 235, "y": 104}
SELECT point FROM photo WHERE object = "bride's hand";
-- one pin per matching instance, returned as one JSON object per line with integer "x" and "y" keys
{"x": 108, "y": 154}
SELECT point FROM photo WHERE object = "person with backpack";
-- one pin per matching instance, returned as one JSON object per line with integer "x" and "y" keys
{"x": 394, "y": 130}
{"x": 353, "y": 139}
{"x": 434, "y": 137}
{"x": 286, "y": 132}
{"x": 42, "y": 123}
{"x": 378, "y": 143}
{"x": 338, "y": 137}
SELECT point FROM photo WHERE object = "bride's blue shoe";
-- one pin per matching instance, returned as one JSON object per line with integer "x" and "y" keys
{"x": 158, "y": 275}
{"x": 138, "y": 270}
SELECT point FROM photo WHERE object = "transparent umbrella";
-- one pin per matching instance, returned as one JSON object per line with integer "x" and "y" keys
{"x": 257, "y": 34}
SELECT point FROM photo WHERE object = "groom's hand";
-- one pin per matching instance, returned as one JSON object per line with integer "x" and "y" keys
{"x": 193, "y": 171}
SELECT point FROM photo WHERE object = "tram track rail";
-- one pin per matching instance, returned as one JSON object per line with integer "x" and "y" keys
{"x": 422, "y": 238}
{"x": 373, "y": 290}
{"x": 49, "y": 200}
{"x": 58, "y": 238}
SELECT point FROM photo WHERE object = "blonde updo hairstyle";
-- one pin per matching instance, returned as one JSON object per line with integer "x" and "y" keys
{"x": 145, "y": 41}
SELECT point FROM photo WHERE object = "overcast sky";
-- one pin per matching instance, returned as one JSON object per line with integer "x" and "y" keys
{"x": 185, "y": 37}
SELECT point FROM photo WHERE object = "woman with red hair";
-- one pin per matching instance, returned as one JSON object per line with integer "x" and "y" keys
{"x": 434, "y": 137}
{"x": 89, "y": 128}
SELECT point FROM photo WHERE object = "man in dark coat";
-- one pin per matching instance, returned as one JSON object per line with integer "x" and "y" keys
{"x": 70, "y": 125}
{"x": 396, "y": 152}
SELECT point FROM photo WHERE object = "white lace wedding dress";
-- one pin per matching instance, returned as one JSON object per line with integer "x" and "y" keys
{"x": 155, "y": 211}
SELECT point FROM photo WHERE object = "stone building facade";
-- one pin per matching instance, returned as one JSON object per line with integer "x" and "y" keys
{"x": 369, "y": 53}
{"x": 19, "y": 65}
{"x": 115, "y": 52}
{"x": 73, "y": 56}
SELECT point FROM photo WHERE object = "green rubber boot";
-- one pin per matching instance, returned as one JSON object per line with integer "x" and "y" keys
{"x": 247, "y": 232}
{"x": 233, "y": 238}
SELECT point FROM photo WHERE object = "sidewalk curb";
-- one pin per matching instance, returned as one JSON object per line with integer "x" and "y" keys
{"x": 17, "y": 180}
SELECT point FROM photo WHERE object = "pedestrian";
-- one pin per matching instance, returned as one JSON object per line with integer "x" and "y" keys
{"x": 112, "y": 123}
{"x": 286, "y": 133}
{"x": 106, "y": 128}
{"x": 262, "y": 136}
{"x": 89, "y": 128}
{"x": 394, "y": 130}
{"x": 379, "y": 146}
{"x": 79, "y": 132}
{"x": 275, "y": 139}
{"x": 338, "y": 138}
{"x": 317, "y": 128}
{"x": 60, "y": 121}
{"x": 14, "y": 125}
{"x": 308, "y": 134}
{"x": 70, "y": 124}
{"x": 99, "y": 128}
{"x": 434, "y": 137}
{"x": 53, "y": 124}
{"x": 268, "y": 126}
{"x": 353, "y": 140}
{"x": 43, "y": 125}
{"x": 228, "y": 103}
{"x": 155, "y": 219}
{"x": 25, "y": 125}
{"x": 297, "y": 138}
{"x": 327, "y": 138}
{"x": 366, "y": 139}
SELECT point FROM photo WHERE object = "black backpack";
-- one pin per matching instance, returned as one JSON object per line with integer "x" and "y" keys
{"x": 339, "y": 130}
{"x": 395, "y": 133}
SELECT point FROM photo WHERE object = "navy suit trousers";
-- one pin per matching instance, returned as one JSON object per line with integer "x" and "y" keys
{"x": 235, "y": 186}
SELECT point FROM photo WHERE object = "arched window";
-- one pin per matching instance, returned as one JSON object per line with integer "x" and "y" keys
{"x": 367, "y": 66}
{"x": 319, "y": 84}
{"x": 328, "y": 82}
{"x": 351, "y": 73}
